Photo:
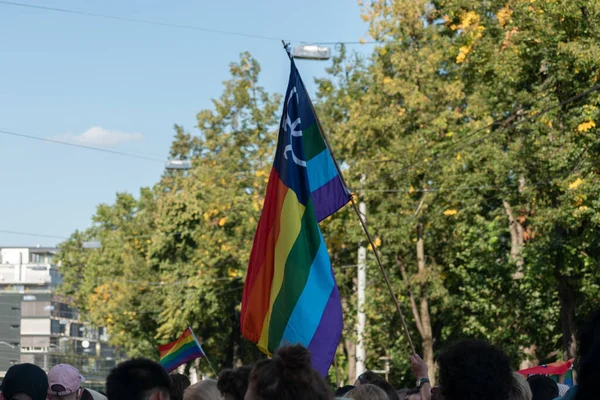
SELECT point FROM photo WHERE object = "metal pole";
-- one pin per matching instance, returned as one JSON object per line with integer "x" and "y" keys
{"x": 361, "y": 354}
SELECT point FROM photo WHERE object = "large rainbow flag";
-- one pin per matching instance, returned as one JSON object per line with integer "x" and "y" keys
{"x": 181, "y": 351}
{"x": 290, "y": 295}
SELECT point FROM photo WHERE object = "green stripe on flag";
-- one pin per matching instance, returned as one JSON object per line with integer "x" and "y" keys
{"x": 313, "y": 141}
{"x": 297, "y": 268}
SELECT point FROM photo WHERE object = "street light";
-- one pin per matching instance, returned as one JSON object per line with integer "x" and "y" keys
{"x": 312, "y": 52}
{"x": 8, "y": 344}
{"x": 92, "y": 244}
{"x": 178, "y": 165}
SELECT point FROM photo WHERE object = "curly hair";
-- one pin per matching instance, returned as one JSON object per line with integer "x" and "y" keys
{"x": 473, "y": 370}
{"x": 542, "y": 387}
{"x": 288, "y": 376}
{"x": 234, "y": 382}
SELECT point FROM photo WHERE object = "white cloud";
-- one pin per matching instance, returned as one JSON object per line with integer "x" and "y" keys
{"x": 98, "y": 136}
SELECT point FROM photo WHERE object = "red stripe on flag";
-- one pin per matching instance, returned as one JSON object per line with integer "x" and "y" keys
{"x": 163, "y": 349}
{"x": 257, "y": 289}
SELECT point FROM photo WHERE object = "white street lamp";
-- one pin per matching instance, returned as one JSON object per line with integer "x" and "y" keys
{"x": 312, "y": 52}
{"x": 179, "y": 165}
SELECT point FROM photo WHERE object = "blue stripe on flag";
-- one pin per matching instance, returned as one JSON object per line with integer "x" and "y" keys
{"x": 307, "y": 313}
{"x": 321, "y": 170}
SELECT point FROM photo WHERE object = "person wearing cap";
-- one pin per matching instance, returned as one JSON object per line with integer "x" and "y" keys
{"x": 65, "y": 383}
{"x": 24, "y": 382}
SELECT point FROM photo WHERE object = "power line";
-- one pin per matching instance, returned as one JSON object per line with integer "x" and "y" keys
{"x": 142, "y": 21}
{"x": 81, "y": 146}
{"x": 32, "y": 234}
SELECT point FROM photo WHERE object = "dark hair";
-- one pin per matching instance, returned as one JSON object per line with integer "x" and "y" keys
{"x": 288, "y": 376}
{"x": 474, "y": 370}
{"x": 542, "y": 387}
{"x": 589, "y": 358}
{"x": 135, "y": 379}
{"x": 368, "y": 377}
{"x": 387, "y": 388}
{"x": 234, "y": 382}
{"x": 179, "y": 383}
{"x": 340, "y": 392}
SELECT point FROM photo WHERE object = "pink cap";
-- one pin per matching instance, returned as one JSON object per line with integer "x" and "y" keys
{"x": 64, "y": 375}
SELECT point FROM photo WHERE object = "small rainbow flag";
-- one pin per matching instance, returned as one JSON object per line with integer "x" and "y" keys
{"x": 179, "y": 352}
{"x": 290, "y": 294}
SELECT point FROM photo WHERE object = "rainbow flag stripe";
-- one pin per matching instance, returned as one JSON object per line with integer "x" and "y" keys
{"x": 290, "y": 295}
{"x": 181, "y": 351}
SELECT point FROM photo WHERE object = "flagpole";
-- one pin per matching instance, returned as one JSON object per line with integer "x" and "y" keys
{"x": 360, "y": 218}
{"x": 205, "y": 355}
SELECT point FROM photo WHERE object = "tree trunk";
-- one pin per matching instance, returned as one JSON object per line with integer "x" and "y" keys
{"x": 516, "y": 239}
{"x": 567, "y": 307}
{"x": 425, "y": 318}
{"x": 349, "y": 348}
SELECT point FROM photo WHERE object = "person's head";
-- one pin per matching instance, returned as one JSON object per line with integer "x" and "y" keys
{"x": 367, "y": 392}
{"x": 387, "y": 388}
{"x": 288, "y": 376}
{"x": 138, "y": 379}
{"x": 341, "y": 392}
{"x": 203, "y": 390}
{"x": 542, "y": 387}
{"x": 474, "y": 370}
{"x": 24, "y": 382}
{"x": 367, "y": 377}
{"x": 179, "y": 383}
{"x": 520, "y": 389}
{"x": 64, "y": 382}
{"x": 233, "y": 383}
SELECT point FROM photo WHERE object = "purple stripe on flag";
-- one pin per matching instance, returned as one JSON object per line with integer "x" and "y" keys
{"x": 329, "y": 198}
{"x": 327, "y": 337}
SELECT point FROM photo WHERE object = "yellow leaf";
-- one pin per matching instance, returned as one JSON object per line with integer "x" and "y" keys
{"x": 462, "y": 54}
{"x": 458, "y": 157}
{"x": 450, "y": 212}
{"x": 411, "y": 190}
{"x": 586, "y": 126}
{"x": 504, "y": 16}
{"x": 575, "y": 184}
{"x": 377, "y": 242}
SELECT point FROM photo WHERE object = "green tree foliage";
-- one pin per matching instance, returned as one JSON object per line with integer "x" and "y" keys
{"x": 464, "y": 135}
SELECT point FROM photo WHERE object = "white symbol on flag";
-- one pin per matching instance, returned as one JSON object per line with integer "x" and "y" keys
{"x": 290, "y": 127}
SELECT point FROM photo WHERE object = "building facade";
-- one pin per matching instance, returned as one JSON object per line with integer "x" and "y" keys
{"x": 41, "y": 327}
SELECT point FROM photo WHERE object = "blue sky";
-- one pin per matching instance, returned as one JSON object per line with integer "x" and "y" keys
{"x": 123, "y": 85}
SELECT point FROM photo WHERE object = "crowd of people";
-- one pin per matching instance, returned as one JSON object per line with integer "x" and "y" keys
{"x": 468, "y": 370}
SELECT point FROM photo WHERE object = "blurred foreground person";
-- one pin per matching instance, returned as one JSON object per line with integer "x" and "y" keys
{"x": 520, "y": 389}
{"x": 24, "y": 382}
{"x": 475, "y": 370}
{"x": 233, "y": 383}
{"x": 288, "y": 376}
{"x": 138, "y": 379}
{"x": 589, "y": 361}
{"x": 542, "y": 387}
{"x": 203, "y": 390}
{"x": 65, "y": 383}
{"x": 367, "y": 391}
